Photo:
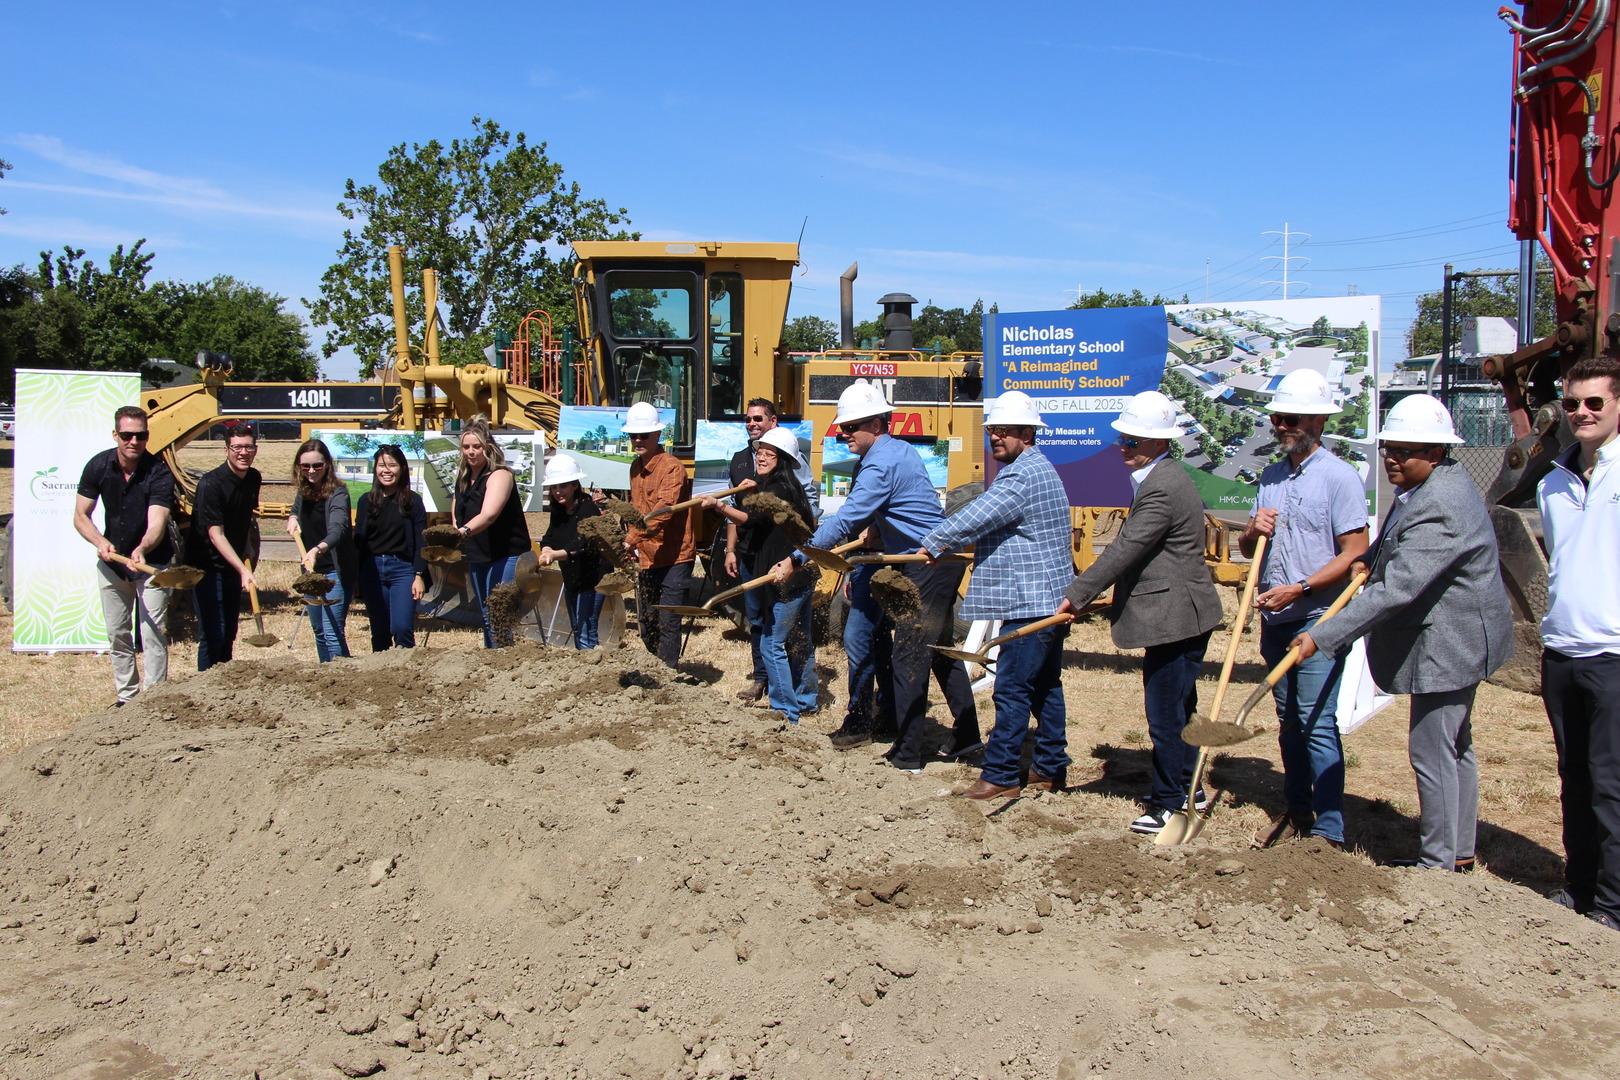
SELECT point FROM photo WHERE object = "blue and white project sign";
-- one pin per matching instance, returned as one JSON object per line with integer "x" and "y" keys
{"x": 1080, "y": 366}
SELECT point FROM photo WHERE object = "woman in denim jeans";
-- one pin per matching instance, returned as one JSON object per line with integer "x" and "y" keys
{"x": 564, "y": 548}
{"x": 487, "y": 512}
{"x": 388, "y": 534}
{"x": 320, "y": 514}
{"x": 785, "y": 643}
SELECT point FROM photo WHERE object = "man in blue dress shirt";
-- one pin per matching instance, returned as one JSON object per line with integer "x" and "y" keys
{"x": 892, "y": 492}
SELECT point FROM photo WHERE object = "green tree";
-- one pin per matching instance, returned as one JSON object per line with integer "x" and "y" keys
{"x": 1476, "y": 296}
{"x": 1211, "y": 447}
{"x": 226, "y": 315}
{"x": 950, "y": 329}
{"x": 809, "y": 333}
{"x": 4, "y": 165}
{"x": 490, "y": 213}
{"x": 1356, "y": 340}
{"x": 1102, "y": 298}
{"x": 1177, "y": 451}
{"x": 1322, "y": 327}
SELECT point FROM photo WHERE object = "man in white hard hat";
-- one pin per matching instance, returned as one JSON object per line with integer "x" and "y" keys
{"x": 1436, "y": 618}
{"x": 892, "y": 491}
{"x": 1022, "y": 556}
{"x": 759, "y": 418}
{"x": 664, "y": 547}
{"x": 1164, "y": 600}
{"x": 1313, "y": 508}
{"x": 1579, "y": 501}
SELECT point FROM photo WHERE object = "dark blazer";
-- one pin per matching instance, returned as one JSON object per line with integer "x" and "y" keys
{"x": 414, "y": 524}
{"x": 1163, "y": 591}
{"x": 1434, "y": 609}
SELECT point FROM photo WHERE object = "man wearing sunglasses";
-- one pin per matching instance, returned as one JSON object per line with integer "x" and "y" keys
{"x": 1436, "y": 618}
{"x": 1164, "y": 599}
{"x": 892, "y": 492}
{"x": 1313, "y": 509}
{"x": 1579, "y": 499}
{"x": 136, "y": 492}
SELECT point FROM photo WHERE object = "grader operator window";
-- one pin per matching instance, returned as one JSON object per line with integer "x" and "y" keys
{"x": 650, "y": 305}
{"x": 653, "y": 318}
{"x": 725, "y": 346}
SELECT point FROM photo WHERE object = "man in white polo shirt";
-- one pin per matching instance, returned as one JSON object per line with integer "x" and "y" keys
{"x": 1579, "y": 501}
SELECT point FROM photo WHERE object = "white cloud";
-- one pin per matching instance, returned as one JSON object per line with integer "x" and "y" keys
{"x": 223, "y": 205}
{"x": 85, "y": 161}
{"x": 57, "y": 231}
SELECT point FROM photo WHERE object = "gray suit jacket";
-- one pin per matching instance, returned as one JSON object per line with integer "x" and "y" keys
{"x": 1162, "y": 587}
{"x": 1434, "y": 609}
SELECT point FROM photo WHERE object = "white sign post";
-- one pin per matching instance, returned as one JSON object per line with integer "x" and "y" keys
{"x": 64, "y": 418}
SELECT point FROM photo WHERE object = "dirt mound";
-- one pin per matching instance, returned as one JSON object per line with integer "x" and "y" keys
{"x": 537, "y": 862}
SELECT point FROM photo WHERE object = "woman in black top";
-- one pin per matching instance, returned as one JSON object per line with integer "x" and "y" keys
{"x": 489, "y": 515}
{"x": 388, "y": 533}
{"x": 785, "y": 643}
{"x": 582, "y": 567}
{"x": 320, "y": 513}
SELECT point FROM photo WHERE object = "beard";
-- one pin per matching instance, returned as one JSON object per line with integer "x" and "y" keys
{"x": 1300, "y": 442}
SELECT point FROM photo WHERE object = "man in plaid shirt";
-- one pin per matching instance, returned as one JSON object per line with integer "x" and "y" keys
{"x": 1022, "y": 558}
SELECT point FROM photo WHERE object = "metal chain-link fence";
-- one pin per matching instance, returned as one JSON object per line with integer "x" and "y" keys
{"x": 1482, "y": 463}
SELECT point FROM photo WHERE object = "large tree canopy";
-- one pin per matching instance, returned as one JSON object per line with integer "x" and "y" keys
{"x": 72, "y": 314}
{"x": 1102, "y": 298}
{"x": 809, "y": 333}
{"x": 491, "y": 214}
{"x": 1475, "y": 296}
{"x": 4, "y": 165}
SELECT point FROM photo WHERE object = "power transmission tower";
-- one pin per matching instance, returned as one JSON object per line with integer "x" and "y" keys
{"x": 1284, "y": 260}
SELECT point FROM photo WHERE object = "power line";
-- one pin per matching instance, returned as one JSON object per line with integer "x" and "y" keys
{"x": 1407, "y": 234}
{"x": 1442, "y": 260}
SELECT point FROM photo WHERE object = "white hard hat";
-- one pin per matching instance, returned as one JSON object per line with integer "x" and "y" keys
{"x": 782, "y": 441}
{"x": 560, "y": 470}
{"x": 1148, "y": 415}
{"x": 1014, "y": 409}
{"x": 642, "y": 418}
{"x": 1304, "y": 393}
{"x": 861, "y": 401}
{"x": 1420, "y": 418}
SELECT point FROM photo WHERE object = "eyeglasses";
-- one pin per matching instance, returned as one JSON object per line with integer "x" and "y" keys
{"x": 634, "y": 435}
{"x": 1401, "y": 453}
{"x": 852, "y": 427}
{"x": 1286, "y": 419}
{"x": 312, "y": 466}
{"x": 133, "y": 436}
{"x": 1128, "y": 443}
{"x": 1001, "y": 431}
{"x": 1593, "y": 404}
{"x": 249, "y": 448}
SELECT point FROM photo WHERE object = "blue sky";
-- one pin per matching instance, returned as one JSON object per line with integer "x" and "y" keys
{"x": 957, "y": 151}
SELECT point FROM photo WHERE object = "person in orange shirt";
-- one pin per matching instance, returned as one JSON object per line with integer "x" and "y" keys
{"x": 664, "y": 547}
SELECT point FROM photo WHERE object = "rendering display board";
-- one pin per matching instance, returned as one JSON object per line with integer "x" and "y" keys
{"x": 525, "y": 453}
{"x": 594, "y": 436}
{"x": 64, "y": 418}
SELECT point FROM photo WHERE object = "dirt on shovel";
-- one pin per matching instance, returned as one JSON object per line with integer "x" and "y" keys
{"x": 445, "y": 536}
{"x": 607, "y": 537}
{"x": 624, "y": 511}
{"x": 311, "y": 583}
{"x": 781, "y": 513}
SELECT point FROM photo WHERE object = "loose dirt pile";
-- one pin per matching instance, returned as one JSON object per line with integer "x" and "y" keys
{"x": 781, "y": 514}
{"x": 625, "y": 511}
{"x": 444, "y": 536}
{"x": 312, "y": 584}
{"x": 540, "y": 863}
{"x": 896, "y": 594}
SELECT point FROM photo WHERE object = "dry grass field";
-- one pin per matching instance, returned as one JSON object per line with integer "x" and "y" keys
{"x": 43, "y": 696}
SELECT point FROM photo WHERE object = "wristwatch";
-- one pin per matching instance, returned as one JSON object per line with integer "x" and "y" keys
{"x": 1304, "y": 587}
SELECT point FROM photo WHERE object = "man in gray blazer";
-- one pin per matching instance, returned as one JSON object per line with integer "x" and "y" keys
{"x": 1436, "y": 617}
{"x": 1164, "y": 600}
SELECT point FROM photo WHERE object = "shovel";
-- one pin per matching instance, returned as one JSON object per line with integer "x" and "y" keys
{"x": 708, "y": 606}
{"x": 309, "y": 600}
{"x": 833, "y": 558}
{"x": 526, "y": 576}
{"x": 982, "y": 657}
{"x": 175, "y": 577}
{"x": 261, "y": 640}
{"x": 916, "y": 556}
{"x": 1187, "y": 824}
{"x": 689, "y": 503}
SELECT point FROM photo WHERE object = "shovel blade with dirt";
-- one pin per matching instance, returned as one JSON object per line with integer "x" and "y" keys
{"x": 259, "y": 640}
{"x": 174, "y": 577}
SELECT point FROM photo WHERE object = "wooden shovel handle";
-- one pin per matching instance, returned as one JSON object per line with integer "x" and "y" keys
{"x": 1292, "y": 656}
{"x": 1238, "y": 626}
{"x": 689, "y": 503}
{"x": 736, "y": 590}
{"x": 915, "y": 556}
{"x": 132, "y": 564}
{"x": 1029, "y": 628}
{"x": 253, "y": 593}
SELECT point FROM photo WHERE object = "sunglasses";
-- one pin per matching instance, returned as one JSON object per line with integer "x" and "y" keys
{"x": 1592, "y": 404}
{"x": 312, "y": 467}
{"x": 1401, "y": 453}
{"x": 133, "y": 436}
{"x": 852, "y": 427}
{"x": 1001, "y": 431}
{"x": 1128, "y": 443}
{"x": 1286, "y": 419}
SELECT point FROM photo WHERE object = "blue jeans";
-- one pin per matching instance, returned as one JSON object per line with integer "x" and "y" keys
{"x": 756, "y": 611}
{"x": 584, "y": 608}
{"x": 1308, "y": 729}
{"x": 1170, "y": 694}
{"x": 385, "y": 583}
{"x": 867, "y": 648}
{"x": 328, "y": 622}
{"x": 786, "y": 646}
{"x": 484, "y": 577}
{"x": 1029, "y": 681}
{"x": 217, "y": 598}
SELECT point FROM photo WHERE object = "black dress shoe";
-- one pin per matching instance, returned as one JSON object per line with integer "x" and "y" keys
{"x": 957, "y": 753}
{"x": 849, "y": 740}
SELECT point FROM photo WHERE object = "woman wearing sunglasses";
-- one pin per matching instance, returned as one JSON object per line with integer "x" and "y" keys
{"x": 320, "y": 515}
{"x": 388, "y": 534}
